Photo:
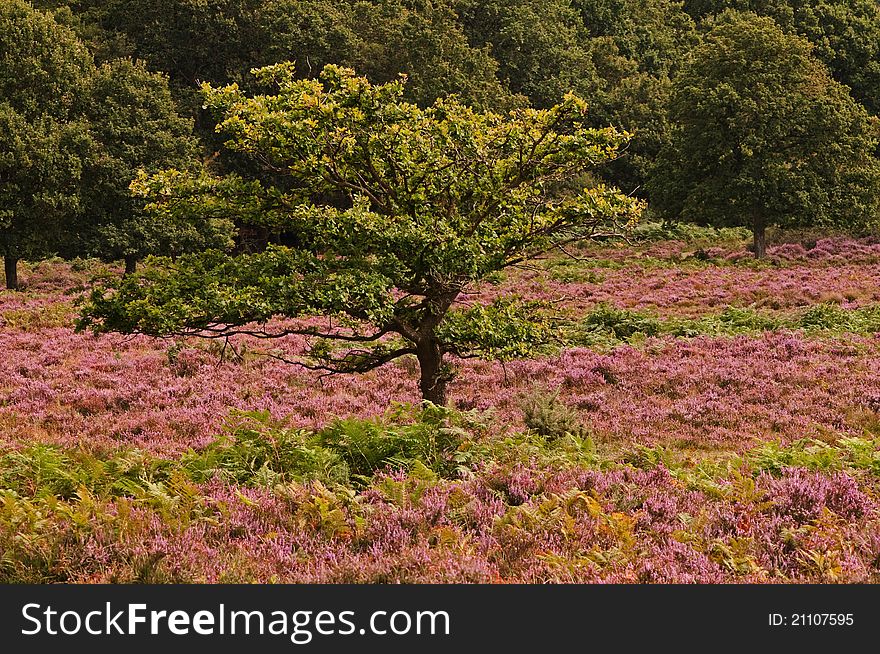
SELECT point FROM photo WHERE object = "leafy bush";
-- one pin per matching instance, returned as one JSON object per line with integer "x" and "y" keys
{"x": 546, "y": 415}
{"x": 622, "y": 324}
{"x": 606, "y": 326}
{"x": 731, "y": 321}
{"x": 851, "y": 453}
{"x": 258, "y": 450}
{"x": 574, "y": 271}
{"x": 825, "y": 316}
{"x": 368, "y": 446}
{"x": 48, "y": 471}
{"x": 831, "y": 317}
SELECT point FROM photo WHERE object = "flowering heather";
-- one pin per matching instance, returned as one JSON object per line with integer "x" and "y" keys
{"x": 843, "y": 271}
{"x": 741, "y": 455}
{"x": 488, "y": 521}
{"x": 831, "y": 250}
{"x": 695, "y": 291}
{"x": 71, "y": 389}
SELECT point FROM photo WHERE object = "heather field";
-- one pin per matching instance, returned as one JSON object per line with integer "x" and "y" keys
{"x": 702, "y": 417}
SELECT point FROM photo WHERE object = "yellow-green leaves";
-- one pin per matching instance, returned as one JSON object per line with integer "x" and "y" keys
{"x": 395, "y": 211}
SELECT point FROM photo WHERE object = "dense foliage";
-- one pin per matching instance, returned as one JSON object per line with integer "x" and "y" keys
{"x": 73, "y": 136}
{"x": 135, "y": 120}
{"x": 44, "y": 135}
{"x": 200, "y": 193}
{"x": 845, "y": 35}
{"x": 764, "y": 136}
{"x": 425, "y": 496}
{"x": 624, "y": 57}
{"x": 419, "y": 206}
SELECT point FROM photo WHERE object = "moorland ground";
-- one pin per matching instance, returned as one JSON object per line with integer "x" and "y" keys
{"x": 703, "y": 417}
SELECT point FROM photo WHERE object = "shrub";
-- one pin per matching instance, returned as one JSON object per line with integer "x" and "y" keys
{"x": 368, "y": 446}
{"x": 622, "y": 324}
{"x": 825, "y": 316}
{"x": 32, "y": 320}
{"x": 574, "y": 271}
{"x": 257, "y": 450}
{"x": 545, "y": 414}
{"x": 730, "y": 322}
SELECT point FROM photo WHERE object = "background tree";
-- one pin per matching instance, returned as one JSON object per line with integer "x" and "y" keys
{"x": 765, "y": 136}
{"x": 135, "y": 121}
{"x": 618, "y": 54}
{"x": 312, "y": 32}
{"x": 637, "y": 46}
{"x": 541, "y": 46}
{"x": 656, "y": 34}
{"x": 425, "y": 41}
{"x": 222, "y": 40}
{"x": 633, "y": 100}
{"x": 190, "y": 40}
{"x": 845, "y": 35}
{"x": 425, "y": 204}
{"x": 43, "y": 138}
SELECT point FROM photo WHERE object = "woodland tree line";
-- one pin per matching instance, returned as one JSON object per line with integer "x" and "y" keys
{"x": 112, "y": 86}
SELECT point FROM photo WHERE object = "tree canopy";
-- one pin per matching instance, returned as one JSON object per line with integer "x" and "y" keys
{"x": 44, "y": 138}
{"x": 104, "y": 86}
{"x": 73, "y": 136}
{"x": 845, "y": 35}
{"x": 137, "y": 128}
{"x": 222, "y": 40}
{"x": 765, "y": 136}
{"x": 398, "y": 211}
{"x": 617, "y": 54}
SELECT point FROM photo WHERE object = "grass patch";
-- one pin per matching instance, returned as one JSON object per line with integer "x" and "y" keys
{"x": 607, "y": 326}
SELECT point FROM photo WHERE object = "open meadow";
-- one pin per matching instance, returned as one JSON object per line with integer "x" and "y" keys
{"x": 700, "y": 417}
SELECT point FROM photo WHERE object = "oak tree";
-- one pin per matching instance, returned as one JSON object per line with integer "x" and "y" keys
{"x": 44, "y": 140}
{"x": 135, "y": 122}
{"x": 764, "y": 136}
{"x": 398, "y": 211}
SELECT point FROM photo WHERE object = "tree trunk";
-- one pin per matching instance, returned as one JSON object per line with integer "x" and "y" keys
{"x": 433, "y": 378}
{"x": 131, "y": 263}
{"x": 10, "y": 265}
{"x": 759, "y": 232}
